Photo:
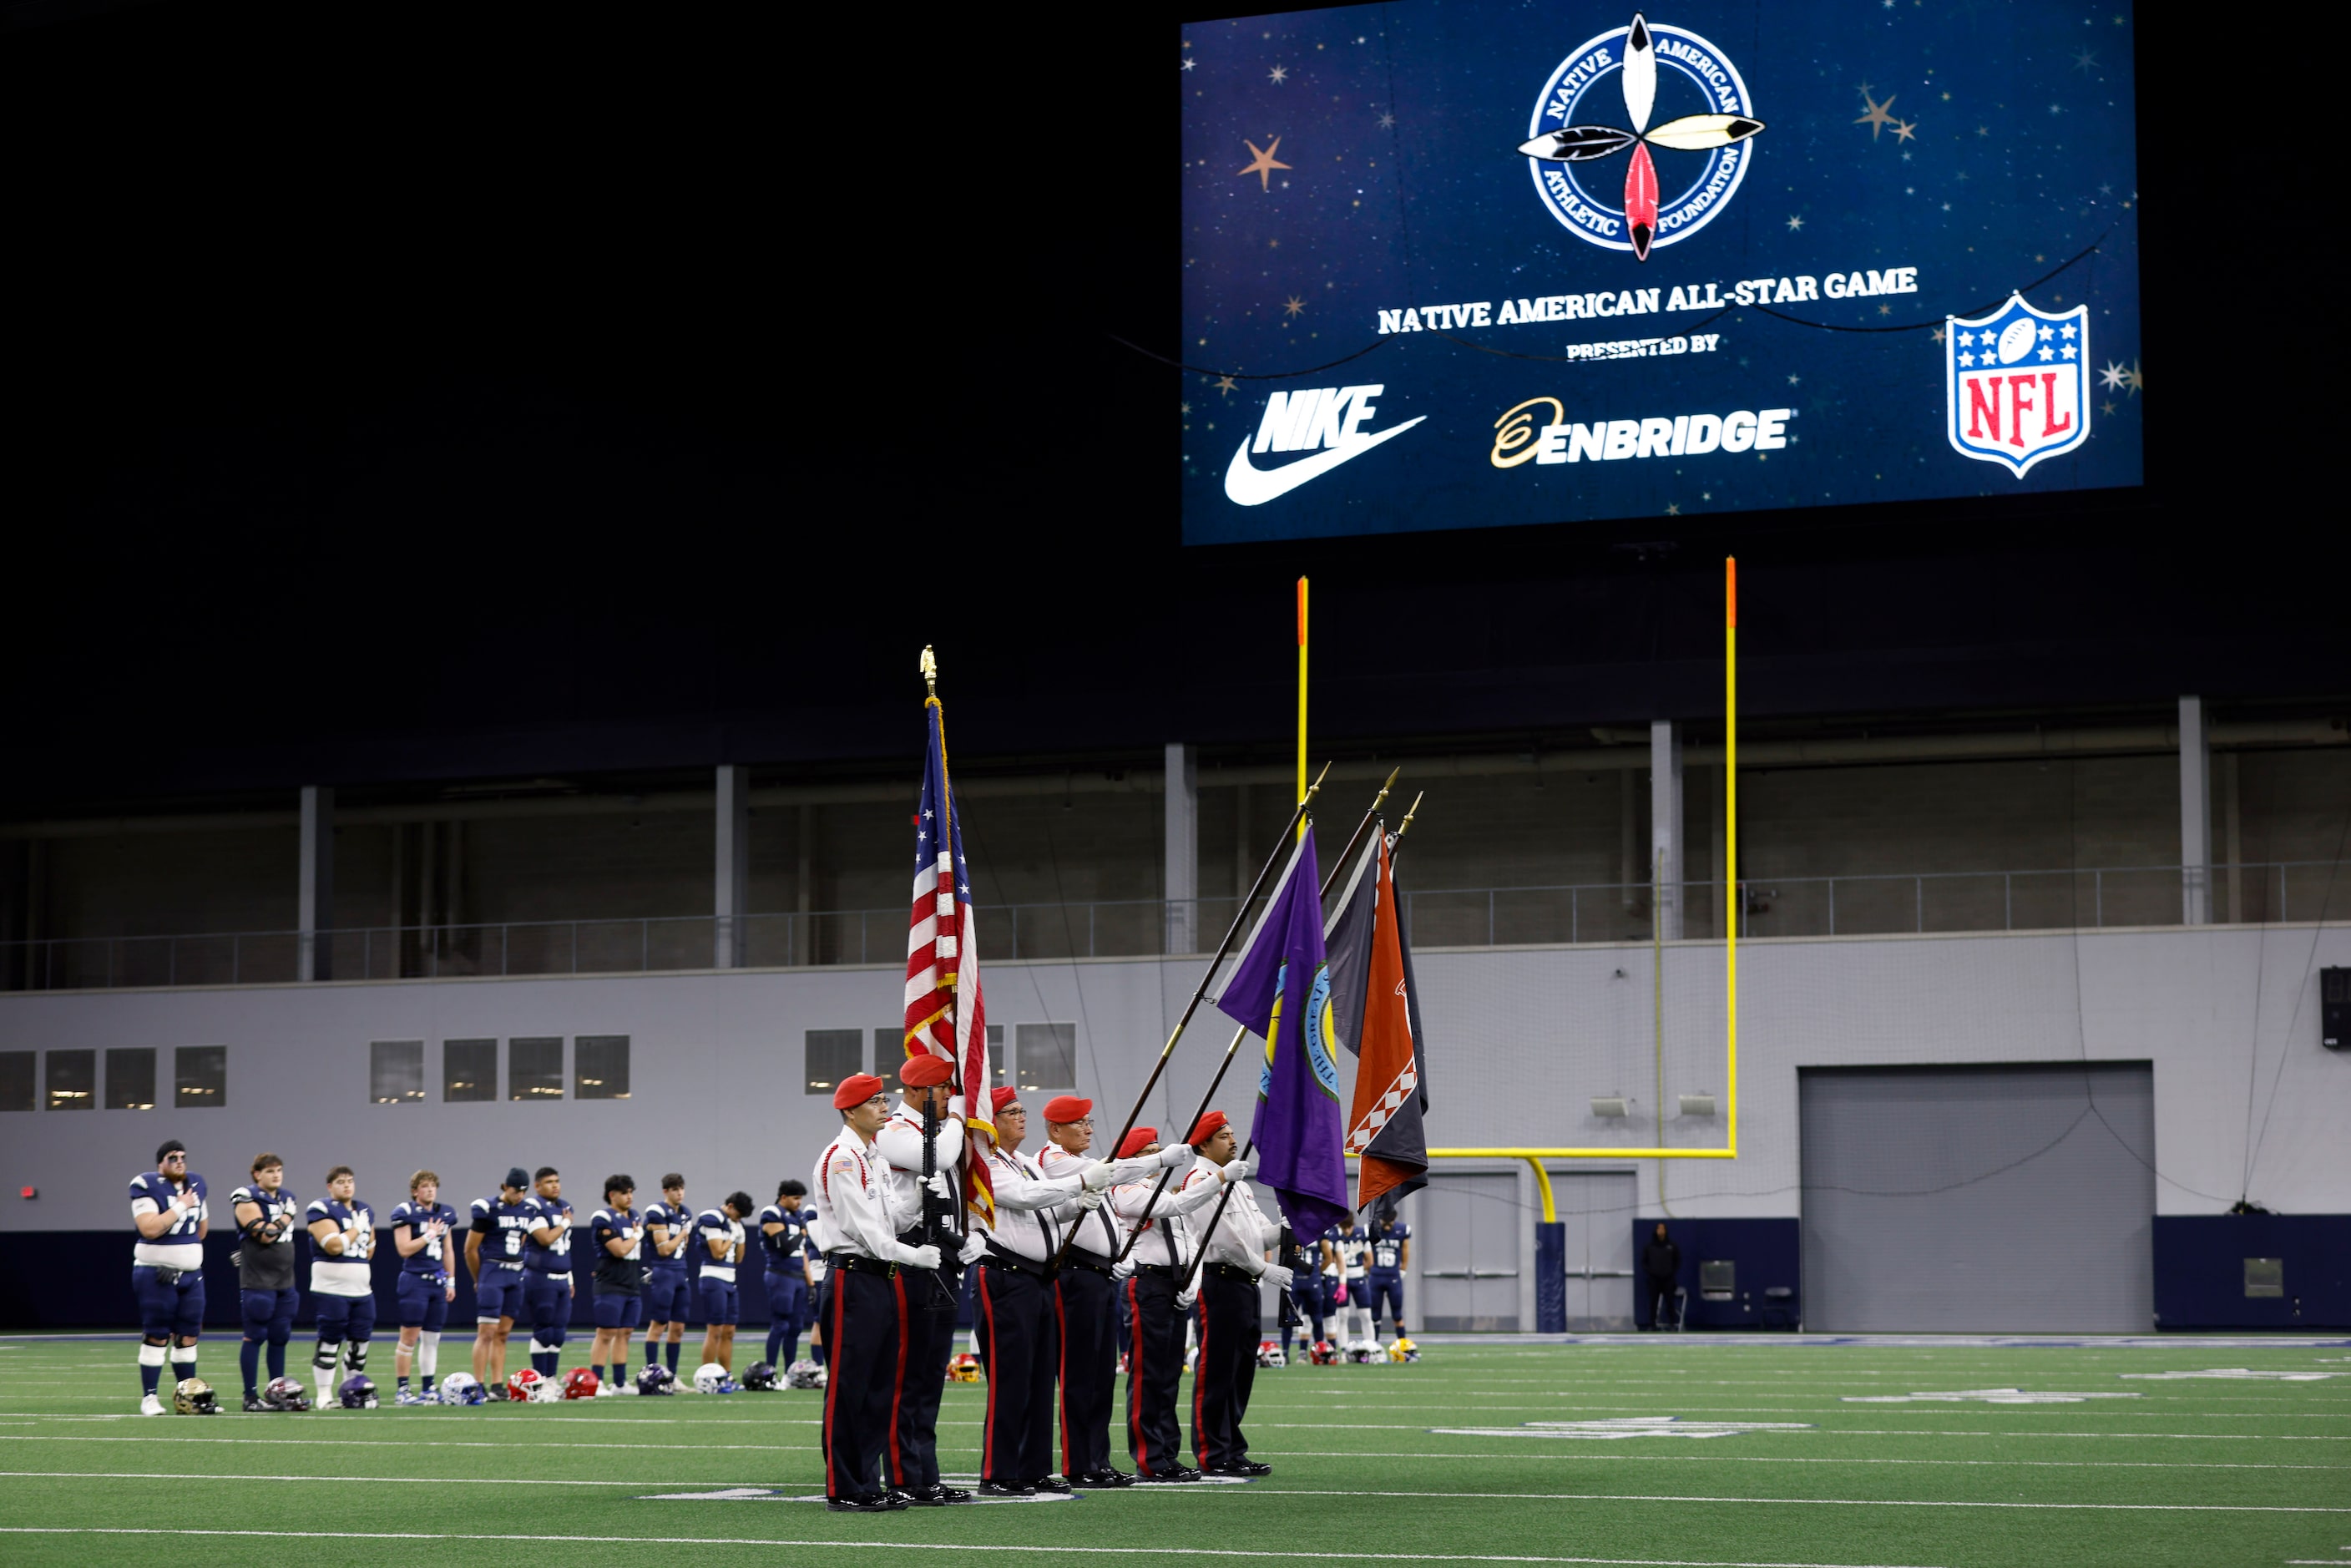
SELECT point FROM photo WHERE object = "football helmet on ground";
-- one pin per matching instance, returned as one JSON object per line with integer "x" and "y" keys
{"x": 194, "y": 1397}
{"x": 1364, "y": 1352}
{"x": 1404, "y": 1350}
{"x": 1323, "y": 1353}
{"x": 357, "y": 1392}
{"x": 285, "y": 1393}
{"x": 463, "y": 1388}
{"x": 1268, "y": 1354}
{"x": 524, "y": 1385}
{"x": 806, "y": 1374}
{"x": 580, "y": 1383}
{"x": 656, "y": 1380}
{"x": 761, "y": 1379}
{"x": 712, "y": 1378}
{"x": 964, "y": 1368}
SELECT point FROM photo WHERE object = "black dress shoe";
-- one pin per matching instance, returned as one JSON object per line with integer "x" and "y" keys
{"x": 1167, "y": 1478}
{"x": 947, "y": 1494}
{"x": 1251, "y": 1467}
{"x": 862, "y": 1505}
{"x": 1005, "y": 1489}
{"x": 1050, "y": 1483}
{"x": 899, "y": 1496}
{"x": 1106, "y": 1477}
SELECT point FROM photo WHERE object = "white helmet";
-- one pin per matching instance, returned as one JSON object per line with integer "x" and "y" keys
{"x": 804, "y": 1374}
{"x": 461, "y": 1388}
{"x": 1268, "y": 1354}
{"x": 712, "y": 1378}
{"x": 1363, "y": 1353}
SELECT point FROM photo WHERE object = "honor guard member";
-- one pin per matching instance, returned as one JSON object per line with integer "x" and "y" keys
{"x": 265, "y": 1221}
{"x": 1232, "y": 1265}
{"x": 669, "y": 1289}
{"x": 422, "y": 1229}
{"x": 860, "y": 1232}
{"x": 167, "y": 1267}
{"x": 494, "y": 1252}
{"x": 548, "y": 1287}
{"x": 927, "y": 1299}
{"x": 1391, "y": 1258}
{"x": 1085, "y": 1294}
{"x": 783, "y": 1249}
{"x": 1015, "y": 1313}
{"x": 342, "y": 1279}
{"x": 620, "y": 1282}
{"x": 720, "y": 1231}
{"x": 1155, "y": 1326}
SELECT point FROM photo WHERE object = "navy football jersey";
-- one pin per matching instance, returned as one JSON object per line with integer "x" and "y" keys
{"x": 1354, "y": 1251}
{"x": 1335, "y": 1238}
{"x": 267, "y": 1265}
{"x": 505, "y": 1228}
{"x": 784, "y": 1248}
{"x": 621, "y": 1274}
{"x": 712, "y": 1225}
{"x": 1388, "y": 1248}
{"x": 344, "y": 1273}
{"x": 672, "y": 1220}
{"x": 557, "y": 1259}
{"x": 152, "y": 1193}
{"x": 410, "y": 1219}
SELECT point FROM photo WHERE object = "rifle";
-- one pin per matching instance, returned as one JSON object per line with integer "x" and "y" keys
{"x": 1294, "y": 1257}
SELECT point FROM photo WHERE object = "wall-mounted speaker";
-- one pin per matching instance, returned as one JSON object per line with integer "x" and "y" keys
{"x": 2335, "y": 1008}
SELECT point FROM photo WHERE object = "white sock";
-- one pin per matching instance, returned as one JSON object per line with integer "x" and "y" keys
{"x": 428, "y": 1354}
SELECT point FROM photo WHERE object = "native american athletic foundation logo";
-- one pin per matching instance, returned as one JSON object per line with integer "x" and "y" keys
{"x": 1573, "y": 138}
{"x": 2018, "y": 383}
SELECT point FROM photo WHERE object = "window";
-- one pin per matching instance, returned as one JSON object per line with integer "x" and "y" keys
{"x": 1049, "y": 1057}
{"x": 202, "y": 1074}
{"x": 396, "y": 1071}
{"x": 601, "y": 1064}
{"x": 833, "y": 1054}
{"x": 72, "y": 1080}
{"x": 131, "y": 1079}
{"x": 469, "y": 1069}
{"x": 535, "y": 1067}
{"x": 15, "y": 1080}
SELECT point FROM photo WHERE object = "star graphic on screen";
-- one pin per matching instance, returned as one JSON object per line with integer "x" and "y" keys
{"x": 1387, "y": 120}
{"x": 1189, "y": 62}
{"x": 2107, "y": 406}
{"x": 1224, "y": 385}
{"x": 1793, "y": 379}
{"x": 1795, "y": 222}
{"x": 1938, "y": 335}
{"x": 1885, "y": 310}
{"x": 1278, "y": 75}
{"x": 2112, "y": 376}
{"x": 1674, "y": 510}
{"x": 2133, "y": 380}
{"x": 1877, "y": 120}
{"x": 1262, "y": 164}
{"x": 2087, "y": 60}
{"x": 1903, "y": 129}
{"x": 1966, "y": 361}
{"x": 1186, "y": 408}
{"x": 1293, "y": 305}
{"x": 2070, "y": 351}
{"x": 2068, "y": 332}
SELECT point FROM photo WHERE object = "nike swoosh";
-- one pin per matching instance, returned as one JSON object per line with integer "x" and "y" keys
{"x": 1247, "y": 486}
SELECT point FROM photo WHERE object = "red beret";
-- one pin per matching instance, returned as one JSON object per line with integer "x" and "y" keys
{"x": 1067, "y": 1108}
{"x": 856, "y": 1089}
{"x": 925, "y": 1071}
{"x": 1000, "y": 1098}
{"x": 1206, "y": 1128}
{"x": 1136, "y": 1142}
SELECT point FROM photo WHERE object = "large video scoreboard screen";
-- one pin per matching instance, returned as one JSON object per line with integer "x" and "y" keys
{"x": 1462, "y": 263}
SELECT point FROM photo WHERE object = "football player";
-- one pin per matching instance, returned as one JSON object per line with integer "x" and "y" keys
{"x": 669, "y": 1293}
{"x": 1354, "y": 1247}
{"x": 342, "y": 1286}
{"x": 783, "y": 1246}
{"x": 721, "y": 1230}
{"x": 265, "y": 1213}
{"x": 167, "y": 1267}
{"x": 547, "y": 1273}
{"x": 1391, "y": 1258}
{"x": 420, "y": 1229}
{"x": 494, "y": 1247}
{"x": 620, "y": 1282}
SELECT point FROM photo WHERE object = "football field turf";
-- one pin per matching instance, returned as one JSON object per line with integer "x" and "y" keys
{"x": 1489, "y": 1449}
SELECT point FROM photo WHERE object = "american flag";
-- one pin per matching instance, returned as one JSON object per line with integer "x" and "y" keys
{"x": 945, "y": 1014}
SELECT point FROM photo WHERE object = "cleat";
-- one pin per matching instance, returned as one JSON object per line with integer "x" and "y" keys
{"x": 253, "y": 1406}
{"x": 407, "y": 1396}
{"x": 151, "y": 1406}
{"x": 608, "y": 1391}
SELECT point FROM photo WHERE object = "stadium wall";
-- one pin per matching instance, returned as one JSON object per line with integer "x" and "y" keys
{"x": 1521, "y": 1040}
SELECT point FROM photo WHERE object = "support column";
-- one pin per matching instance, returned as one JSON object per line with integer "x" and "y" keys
{"x": 734, "y": 865}
{"x": 803, "y": 939}
{"x": 2195, "y": 815}
{"x": 1666, "y": 825}
{"x": 1183, "y": 879}
{"x": 314, "y": 899}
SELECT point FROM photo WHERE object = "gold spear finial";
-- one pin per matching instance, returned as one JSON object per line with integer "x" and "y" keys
{"x": 1316, "y": 786}
{"x": 1406, "y": 826}
{"x": 1383, "y": 795}
{"x": 930, "y": 671}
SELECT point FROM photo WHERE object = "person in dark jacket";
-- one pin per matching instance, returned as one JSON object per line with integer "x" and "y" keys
{"x": 1661, "y": 1262}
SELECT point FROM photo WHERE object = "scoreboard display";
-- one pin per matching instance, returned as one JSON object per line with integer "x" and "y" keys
{"x": 1467, "y": 263}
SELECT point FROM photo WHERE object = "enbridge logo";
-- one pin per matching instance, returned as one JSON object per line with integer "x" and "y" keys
{"x": 1325, "y": 420}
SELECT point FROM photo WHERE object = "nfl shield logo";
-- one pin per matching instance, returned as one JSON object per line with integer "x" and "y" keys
{"x": 2018, "y": 383}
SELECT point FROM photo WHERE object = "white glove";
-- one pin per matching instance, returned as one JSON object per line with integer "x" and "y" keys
{"x": 1277, "y": 1276}
{"x": 1184, "y": 1302}
{"x": 1176, "y": 1156}
{"x": 1098, "y": 1175}
{"x": 1089, "y": 1201}
{"x": 975, "y": 1247}
{"x": 923, "y": 1257}
{"x": 1236, "y": 1170}
{"x": 937, "y": 1182}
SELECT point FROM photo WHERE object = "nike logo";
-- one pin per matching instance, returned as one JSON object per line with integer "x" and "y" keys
{"x": 1247, "y": 486}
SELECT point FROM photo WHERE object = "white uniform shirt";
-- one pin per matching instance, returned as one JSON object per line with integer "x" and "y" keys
{"x": 851, "y": 1198}
{"x": 900, "y": 1146}
{"x": 1099, "y": 1232}
{"x": 1242, "y": 1233}
{"x": 1022, "y": 1193}
{"x": 1165, "y": 1242}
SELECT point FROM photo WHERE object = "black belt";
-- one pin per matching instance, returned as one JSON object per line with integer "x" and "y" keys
{"x": 1077, "y": 1259}
{"x": 1162, "y": 1270}
{"x": 858, "y": 1263}
{"x": 1228, "y": 1271}
{"x": 1000, "y": 1259}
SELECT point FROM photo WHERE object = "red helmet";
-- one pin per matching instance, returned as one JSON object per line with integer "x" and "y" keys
{"x": 580, "y": 1384}
{"x": 1324, "y": 1353}
{"x": 523, "y": 1384}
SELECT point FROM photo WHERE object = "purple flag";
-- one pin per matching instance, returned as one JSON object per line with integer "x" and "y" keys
{"x": 1281, "y": 989}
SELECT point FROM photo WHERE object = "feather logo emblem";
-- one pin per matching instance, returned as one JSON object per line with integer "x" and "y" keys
{"x": 1568, "y": 152}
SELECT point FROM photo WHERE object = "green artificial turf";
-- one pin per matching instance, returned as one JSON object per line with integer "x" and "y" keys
{"x": 2192, "y": 1471}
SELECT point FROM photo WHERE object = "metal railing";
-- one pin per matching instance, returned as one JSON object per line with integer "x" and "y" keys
{"x": 2088, "y": 897}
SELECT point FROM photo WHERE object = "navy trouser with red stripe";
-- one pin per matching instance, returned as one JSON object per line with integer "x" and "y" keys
{"x": 927, "y": 1327}
{"x": 861, "y": 1338}
{"x": 1016, "y": 1320}
{"x": 1155, "y": 1363}
{"x": 1227, "y": 1368}
{"x": 1087, "y": 1319}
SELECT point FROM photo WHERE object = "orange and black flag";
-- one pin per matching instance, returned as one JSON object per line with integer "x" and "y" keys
{"x": 1376, "y": 1015}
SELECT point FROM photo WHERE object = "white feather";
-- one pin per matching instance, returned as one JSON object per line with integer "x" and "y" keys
{"x": 1701, "y": 132}
{"x": 1640, "y": 72}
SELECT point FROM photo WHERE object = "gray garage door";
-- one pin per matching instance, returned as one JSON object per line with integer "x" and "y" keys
{"x": 1465, "y": 1251}
{"x": 2003, "y": 1199}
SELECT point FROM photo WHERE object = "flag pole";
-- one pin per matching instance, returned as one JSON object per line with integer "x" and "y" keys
{"x": 1301, "y": 704}
{"x": 1234, "y": 1045}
